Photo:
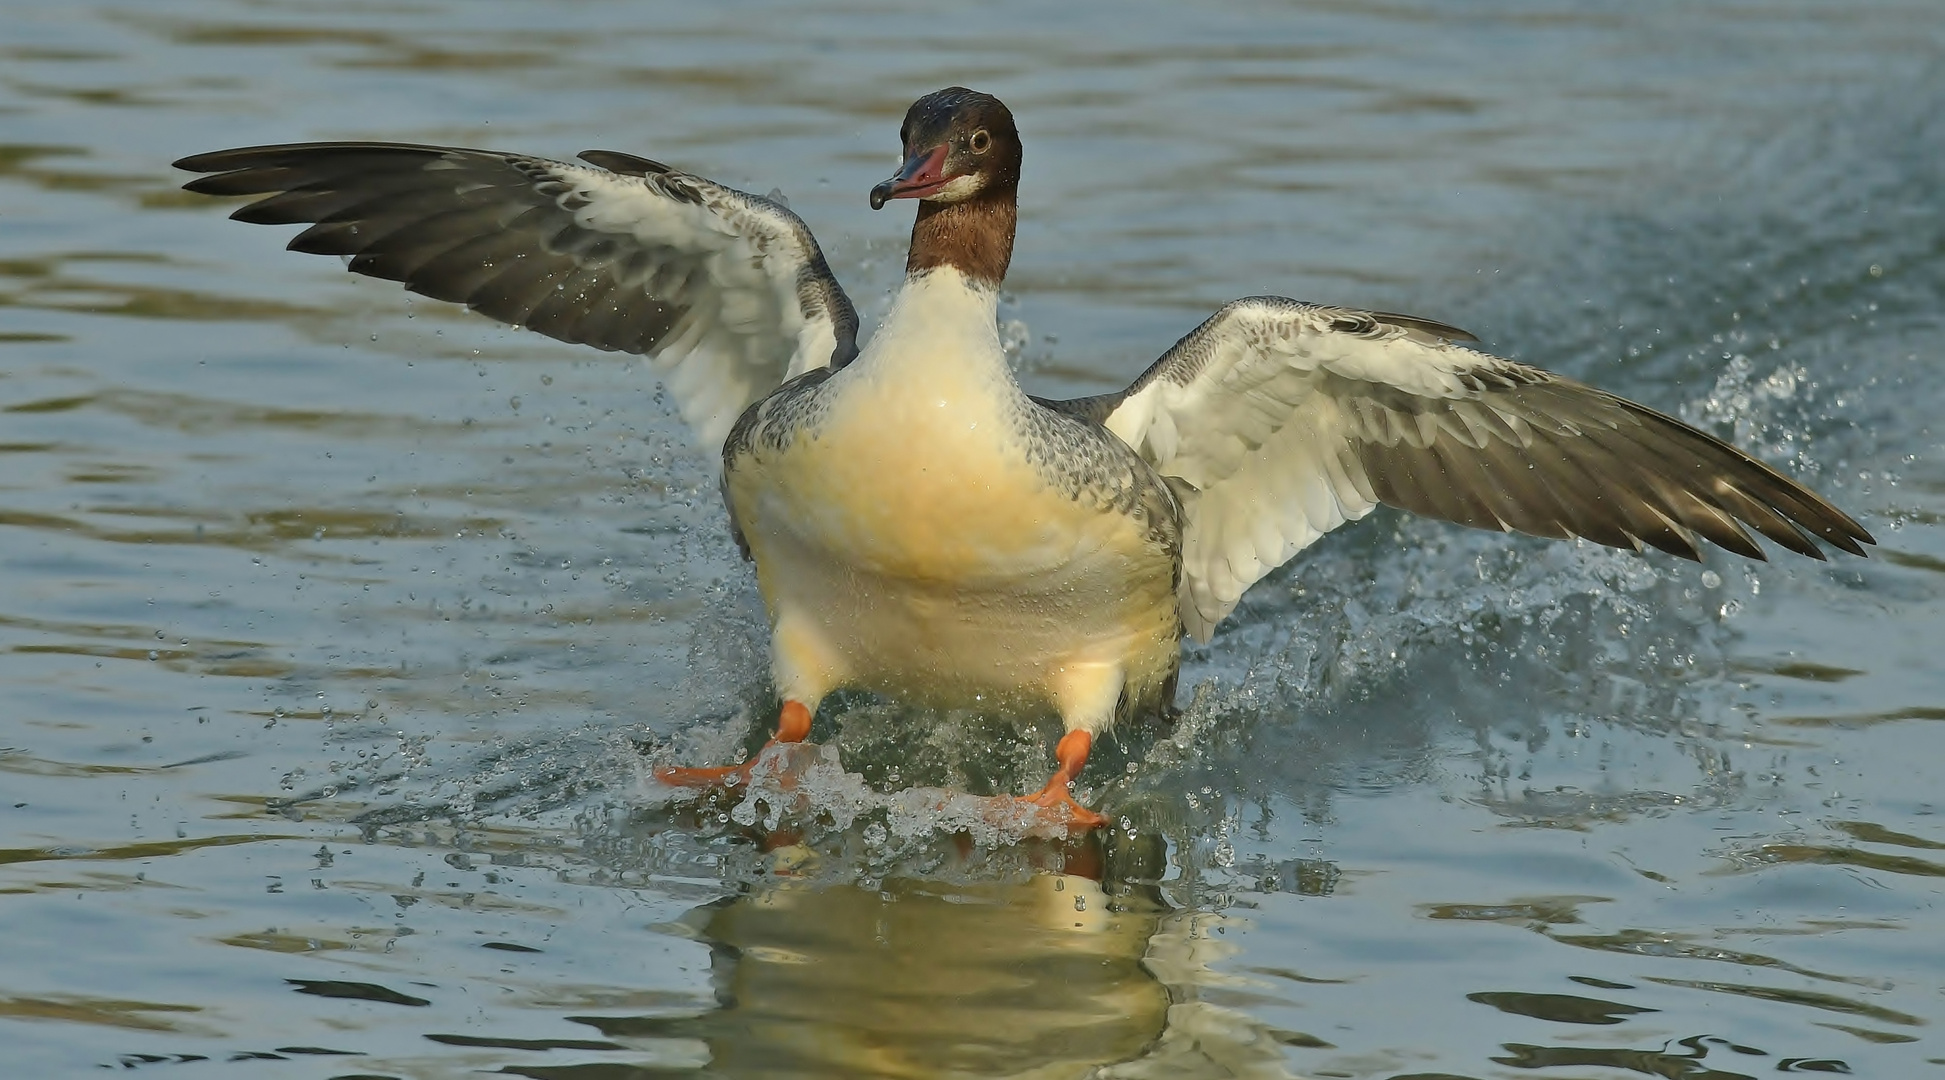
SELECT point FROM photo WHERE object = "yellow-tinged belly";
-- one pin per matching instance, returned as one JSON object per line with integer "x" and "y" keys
{"x": 945, "y": 508}
{"x": 928, "y": 557}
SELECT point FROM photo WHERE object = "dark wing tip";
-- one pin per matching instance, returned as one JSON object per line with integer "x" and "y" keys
{"x": 1746, "y": 491}
{"x": 216, "y": 161}
{"x": 265, "y": 170}
{"x": 626, "y": 164}
{"x": 1604, "y": 468}
{"x": 222, "y": 168}
{"x": 218, "y": 184}
{"x": 244, "y": 157}
{"x": 1850, "y": 536}
{"x": 1840, "y": 531}
{"x": 1429, "y": 327}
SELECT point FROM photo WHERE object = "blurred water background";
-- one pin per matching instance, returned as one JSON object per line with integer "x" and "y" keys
{"x": 336, "y": 625}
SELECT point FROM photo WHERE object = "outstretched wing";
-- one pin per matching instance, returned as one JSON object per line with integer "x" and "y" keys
{"x": 1290, "y": 419}
{"x": 726, "y": 293}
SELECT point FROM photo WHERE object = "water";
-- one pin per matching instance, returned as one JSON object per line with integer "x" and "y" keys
{"x": 339, "y": 628}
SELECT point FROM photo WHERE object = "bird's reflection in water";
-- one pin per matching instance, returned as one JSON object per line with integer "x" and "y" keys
{"x": 1068, "y": 972}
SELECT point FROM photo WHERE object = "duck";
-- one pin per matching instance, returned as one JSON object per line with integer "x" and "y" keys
{"x": 923, "y": 528}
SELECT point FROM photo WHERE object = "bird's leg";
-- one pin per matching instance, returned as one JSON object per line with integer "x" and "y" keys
{"x": 793, "y": 726}
{"x": 1058, "y": 795}
{"x": 1087, "y": 692}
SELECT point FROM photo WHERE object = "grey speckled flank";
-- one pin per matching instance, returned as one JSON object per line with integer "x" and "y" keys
{"x": 1086, "y": 462}
{"x": 769, "y": 425}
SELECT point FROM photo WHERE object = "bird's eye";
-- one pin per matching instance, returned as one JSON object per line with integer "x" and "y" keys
{"x": 980, "y": 141}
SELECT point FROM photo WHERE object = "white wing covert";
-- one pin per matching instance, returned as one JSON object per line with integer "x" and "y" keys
{"x": 1290, "y": 419}
{"x": 725, "y": 293}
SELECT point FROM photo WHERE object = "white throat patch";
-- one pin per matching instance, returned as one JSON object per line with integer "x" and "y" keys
{"x": 959, "y": 189}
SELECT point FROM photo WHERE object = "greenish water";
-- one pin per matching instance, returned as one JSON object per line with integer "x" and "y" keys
{"x": 336, "y": 625}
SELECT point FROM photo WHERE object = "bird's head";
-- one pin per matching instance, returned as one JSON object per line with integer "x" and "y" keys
{"x": 958, "y": 144}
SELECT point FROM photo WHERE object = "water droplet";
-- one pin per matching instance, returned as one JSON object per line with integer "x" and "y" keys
{"x": 1711, "y": 579}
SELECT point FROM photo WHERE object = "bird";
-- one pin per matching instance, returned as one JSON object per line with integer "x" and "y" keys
{"x": 923, "y": 528}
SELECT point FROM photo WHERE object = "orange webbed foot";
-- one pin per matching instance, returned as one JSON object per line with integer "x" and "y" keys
{"x": 726, "y": 776}
{"x": 1056, "y": 800}
{"x": 793, "y": 726}
{"x": 1059, "y": 808}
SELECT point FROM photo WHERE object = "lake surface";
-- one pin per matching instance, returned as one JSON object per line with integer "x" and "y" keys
{"x": 338, "y": 628}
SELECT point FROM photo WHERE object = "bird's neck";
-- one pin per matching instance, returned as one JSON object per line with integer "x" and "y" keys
{"x": 974, "y": 237}
{"x": 940, "y": 340}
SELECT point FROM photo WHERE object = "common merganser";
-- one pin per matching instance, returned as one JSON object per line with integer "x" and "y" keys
{"x": 921, "y": 526}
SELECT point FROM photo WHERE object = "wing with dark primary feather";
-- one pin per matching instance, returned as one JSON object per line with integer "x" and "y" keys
{"x": 1290, "y": 419}
{"x": 726, "y": 293}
